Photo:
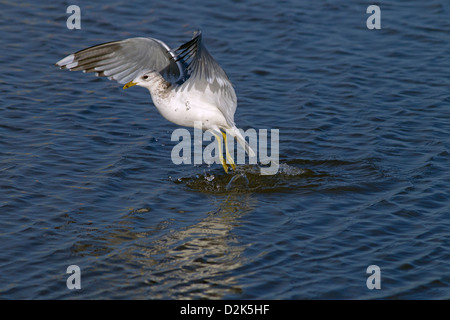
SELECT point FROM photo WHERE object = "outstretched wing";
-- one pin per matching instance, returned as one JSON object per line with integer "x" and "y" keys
{"x": 125, "y": 60}
{"x": 204, "y": 73}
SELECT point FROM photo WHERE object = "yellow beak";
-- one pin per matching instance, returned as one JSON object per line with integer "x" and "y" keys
{"x": 129, "y": 84}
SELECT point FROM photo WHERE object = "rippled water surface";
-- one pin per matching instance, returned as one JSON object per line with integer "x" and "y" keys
{"x": 363, "y": 115}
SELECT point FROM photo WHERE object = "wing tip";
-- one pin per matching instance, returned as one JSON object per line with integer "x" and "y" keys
{"x": 67, "y": 62}
{"x": 197, "y": 33}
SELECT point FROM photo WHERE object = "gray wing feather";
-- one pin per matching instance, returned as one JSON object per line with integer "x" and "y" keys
{"x": 125, "y": 60}
{"x": 203, "y": 71}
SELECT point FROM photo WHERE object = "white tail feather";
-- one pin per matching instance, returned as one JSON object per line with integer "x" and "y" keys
{"x": 237, "y": 134}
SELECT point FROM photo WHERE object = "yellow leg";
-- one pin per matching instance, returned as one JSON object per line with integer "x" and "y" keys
{"x": 222, "y": 160}
{"x": 227, "y": 153}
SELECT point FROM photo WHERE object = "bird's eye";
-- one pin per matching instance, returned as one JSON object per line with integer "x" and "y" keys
{"x": 145, "y": 77}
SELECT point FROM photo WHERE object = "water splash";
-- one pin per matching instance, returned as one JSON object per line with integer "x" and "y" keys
{"x": 241, "y": 177}
{"x": 246, "y": 178}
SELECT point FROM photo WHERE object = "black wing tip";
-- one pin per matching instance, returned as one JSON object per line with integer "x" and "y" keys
{"x": 197, "y": 33}
{"x": 189, "y": 48}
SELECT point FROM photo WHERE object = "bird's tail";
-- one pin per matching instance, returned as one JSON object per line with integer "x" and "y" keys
{"x": 238, "y": 136}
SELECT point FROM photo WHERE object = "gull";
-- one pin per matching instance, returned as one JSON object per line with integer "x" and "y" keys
{"x": 186, "y": 85}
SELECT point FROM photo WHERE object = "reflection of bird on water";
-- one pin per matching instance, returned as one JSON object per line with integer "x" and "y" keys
{"x": 187, "y": 85}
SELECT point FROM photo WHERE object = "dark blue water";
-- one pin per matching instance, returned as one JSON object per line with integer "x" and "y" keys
{"x": 364, "y": 115}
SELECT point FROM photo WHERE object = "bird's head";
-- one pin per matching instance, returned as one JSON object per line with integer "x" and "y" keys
{"x": 147, "y": 80}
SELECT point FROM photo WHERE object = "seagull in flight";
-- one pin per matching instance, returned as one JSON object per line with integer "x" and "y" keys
{"x": 187, "y": 86}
